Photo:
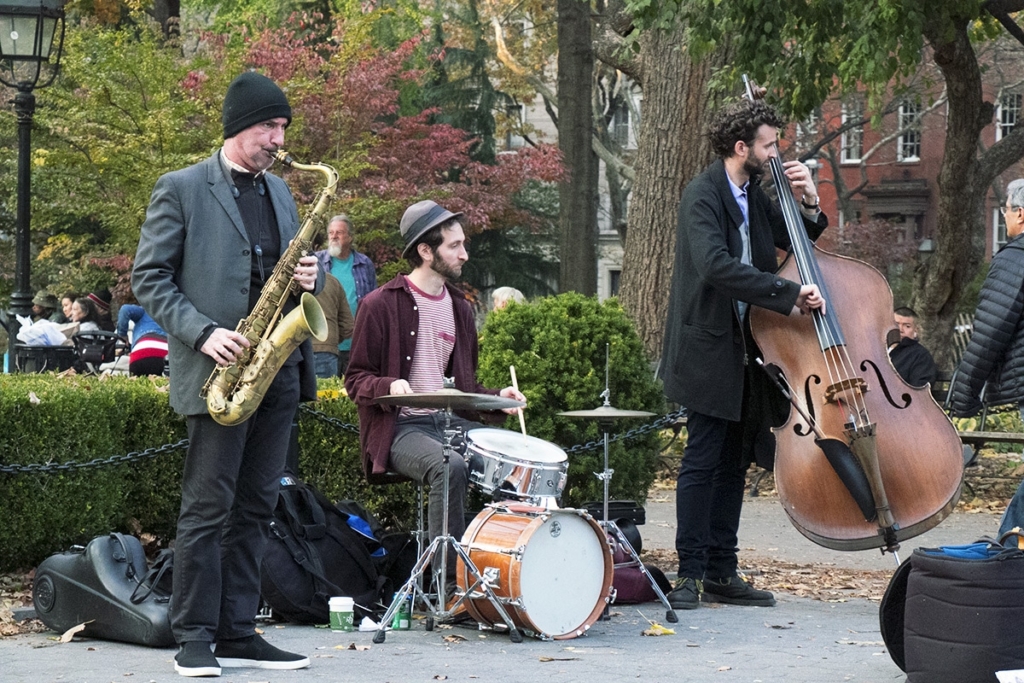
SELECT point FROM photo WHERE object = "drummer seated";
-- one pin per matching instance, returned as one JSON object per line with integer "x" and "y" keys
{"x": 409, "y": 335}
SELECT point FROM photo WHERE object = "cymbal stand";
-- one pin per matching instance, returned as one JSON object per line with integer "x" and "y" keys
{"x": 608, "y": 524}
{"x": 442, "y": 542}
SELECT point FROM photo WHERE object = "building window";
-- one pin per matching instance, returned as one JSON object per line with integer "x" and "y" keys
{"x": 1007, "y": 114}
{"x": 908, "y": 144}
{"x": 515, "y": 125}
{"x": 807, "y": 129}
{"x": 998, "y": 229}
{"x": 614, "y": 276}
{"x": 852, "y": 140}
{"x": 620, "y": 126}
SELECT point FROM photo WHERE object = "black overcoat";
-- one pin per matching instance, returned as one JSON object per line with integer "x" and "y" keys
{"x": 705, "y": 342}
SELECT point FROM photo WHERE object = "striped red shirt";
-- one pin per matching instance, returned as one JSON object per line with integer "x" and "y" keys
{"x": 435, "y": 341}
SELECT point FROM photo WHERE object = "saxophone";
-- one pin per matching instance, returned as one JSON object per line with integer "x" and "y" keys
{"x": 234, "y": 392}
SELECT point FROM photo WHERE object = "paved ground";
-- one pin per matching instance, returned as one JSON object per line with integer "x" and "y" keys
{"x": 798, "y": 641}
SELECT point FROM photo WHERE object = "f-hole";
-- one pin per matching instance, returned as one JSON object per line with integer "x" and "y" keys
{"x": 809, "y": 406}
{"x": 907, "y": 398}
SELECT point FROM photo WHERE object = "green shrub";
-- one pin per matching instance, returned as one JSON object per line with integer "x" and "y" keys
{"x": 52, "y": 420}
{"x": 557, "y": 345}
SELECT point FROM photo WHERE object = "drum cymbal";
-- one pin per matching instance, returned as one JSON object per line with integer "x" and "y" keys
{"x": 449, "y": 399}
{"x": 605, "y": 413}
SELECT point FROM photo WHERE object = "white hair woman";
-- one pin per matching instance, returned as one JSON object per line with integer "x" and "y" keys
{"x": 502, "y": 295}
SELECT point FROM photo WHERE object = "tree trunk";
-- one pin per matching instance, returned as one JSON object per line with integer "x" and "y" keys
{"x": 672, "y": 150}
{"x": 578, "y": 192}
{"x": 168, "y": 13}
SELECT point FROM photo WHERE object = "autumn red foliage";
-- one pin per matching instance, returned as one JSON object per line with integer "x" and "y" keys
{"x": 346, "y": 106}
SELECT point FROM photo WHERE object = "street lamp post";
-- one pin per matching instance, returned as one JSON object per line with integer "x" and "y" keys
{"x": 28, "y": 31}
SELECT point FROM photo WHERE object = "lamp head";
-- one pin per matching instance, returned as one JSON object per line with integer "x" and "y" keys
{"x": 29, "y": 31}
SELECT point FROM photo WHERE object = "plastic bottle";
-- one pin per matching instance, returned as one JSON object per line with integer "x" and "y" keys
{"x": 403, "y": 617}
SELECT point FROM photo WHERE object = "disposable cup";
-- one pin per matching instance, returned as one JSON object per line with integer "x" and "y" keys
{"x": 341, "y": 613}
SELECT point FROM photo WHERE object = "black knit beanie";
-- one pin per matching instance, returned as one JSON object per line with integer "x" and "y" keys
{"x": 252, "y": 98}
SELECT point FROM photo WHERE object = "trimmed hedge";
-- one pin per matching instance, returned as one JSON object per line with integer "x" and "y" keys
{"x": 557, "y": 346}
{"x": 53, "y": 420}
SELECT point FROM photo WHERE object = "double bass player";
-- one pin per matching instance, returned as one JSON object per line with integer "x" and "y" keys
{"x": 725, "y": 260}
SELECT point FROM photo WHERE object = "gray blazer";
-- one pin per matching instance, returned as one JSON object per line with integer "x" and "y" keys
{"x": 193, "y": 264}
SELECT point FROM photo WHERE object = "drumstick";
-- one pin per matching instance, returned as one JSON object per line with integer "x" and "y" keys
{"x": 515, "y": 385}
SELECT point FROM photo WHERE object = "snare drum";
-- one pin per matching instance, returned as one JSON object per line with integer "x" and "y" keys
{"x": 521, "y": 467}
{"x": 551, "y": 570}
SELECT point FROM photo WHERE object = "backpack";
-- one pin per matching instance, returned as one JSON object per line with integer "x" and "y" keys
{"x": 629, "y": 581}
{"x": 318, "y": 550}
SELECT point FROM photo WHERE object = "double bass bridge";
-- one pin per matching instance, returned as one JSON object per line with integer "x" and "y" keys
{"x": 843, "y": 386}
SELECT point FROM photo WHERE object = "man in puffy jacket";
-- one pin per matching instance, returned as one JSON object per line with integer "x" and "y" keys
{"x": 994, "y": 358}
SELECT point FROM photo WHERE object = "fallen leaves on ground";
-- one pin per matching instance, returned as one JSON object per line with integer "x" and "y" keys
{"x": 657, "y": 629}
{"x": 70, "y": 633}
{"x": 816, "y": 580}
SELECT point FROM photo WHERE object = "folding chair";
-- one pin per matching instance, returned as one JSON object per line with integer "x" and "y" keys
{"x": 95, "y": 348}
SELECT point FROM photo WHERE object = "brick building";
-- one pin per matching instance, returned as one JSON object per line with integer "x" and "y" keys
{"x": 890, "y": 171}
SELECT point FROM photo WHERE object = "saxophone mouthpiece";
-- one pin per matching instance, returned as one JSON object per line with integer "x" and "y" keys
{"x": 284, "y": 157}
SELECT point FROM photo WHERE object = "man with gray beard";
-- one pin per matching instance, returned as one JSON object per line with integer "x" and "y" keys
{"x": 354, "y": 270}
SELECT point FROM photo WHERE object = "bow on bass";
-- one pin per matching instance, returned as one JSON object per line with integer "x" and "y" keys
{"x": 864, "y": 460}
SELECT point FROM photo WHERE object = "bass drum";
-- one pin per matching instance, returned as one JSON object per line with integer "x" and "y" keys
{"x": 550, "y": 569}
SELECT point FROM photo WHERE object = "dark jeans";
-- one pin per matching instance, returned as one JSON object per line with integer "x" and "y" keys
{"x": 416, "y": 452}
{"x": 709, "y": 495}
{"x": 1014, "y": 515}
{"x": 342, "y": 363}
{"x": 228, "y": 493}
{"x": 325, "y": 364}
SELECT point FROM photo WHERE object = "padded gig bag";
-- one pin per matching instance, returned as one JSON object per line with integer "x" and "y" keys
{"x": 108, "y": 586}
{"x": 953, "y": 614}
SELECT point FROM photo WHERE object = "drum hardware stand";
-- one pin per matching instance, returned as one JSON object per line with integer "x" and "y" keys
{"x": 612, "y": 528}
{"x": 606, "y": 415}
{"x": 442, "y": 543}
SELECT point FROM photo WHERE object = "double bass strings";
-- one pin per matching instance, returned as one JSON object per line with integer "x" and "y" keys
{"x": 830, "y": 338}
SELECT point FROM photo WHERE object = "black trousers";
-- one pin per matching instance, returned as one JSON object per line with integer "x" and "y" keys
{"x": 709, "y": 495}
{"x": 228, "y": 493}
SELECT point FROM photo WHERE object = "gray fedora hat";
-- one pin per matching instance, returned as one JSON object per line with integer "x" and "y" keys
{"x": 421, "y": 217}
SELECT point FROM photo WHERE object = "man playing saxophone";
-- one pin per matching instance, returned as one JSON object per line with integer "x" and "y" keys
{"x": 212, "y": 236}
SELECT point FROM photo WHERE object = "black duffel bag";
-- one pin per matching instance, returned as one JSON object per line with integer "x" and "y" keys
{"x": 109, "y": 587}
{"x": 318, "y": 550}
{"x": 952, "y": 614}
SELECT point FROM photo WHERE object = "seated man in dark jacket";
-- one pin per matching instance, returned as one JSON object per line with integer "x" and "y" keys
{"x": 912, "y": 360}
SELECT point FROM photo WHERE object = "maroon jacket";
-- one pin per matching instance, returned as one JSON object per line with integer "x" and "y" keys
{"x": 382, "y": 348}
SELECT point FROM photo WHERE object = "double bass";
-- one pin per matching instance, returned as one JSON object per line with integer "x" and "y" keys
{"x": 864, "y": 460}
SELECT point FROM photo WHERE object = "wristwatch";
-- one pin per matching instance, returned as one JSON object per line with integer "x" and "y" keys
{"x": 803, "y": 201}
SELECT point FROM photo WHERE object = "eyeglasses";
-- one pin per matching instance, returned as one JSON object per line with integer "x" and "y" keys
{"x": 1008, "y": 209}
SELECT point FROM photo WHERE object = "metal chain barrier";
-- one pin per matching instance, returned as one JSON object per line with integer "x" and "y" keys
{"x": 98, "y": 462}
{"x": 663, "y": 422}
{"x": 655, "y": 425}
{"x": 320, "y": 415}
